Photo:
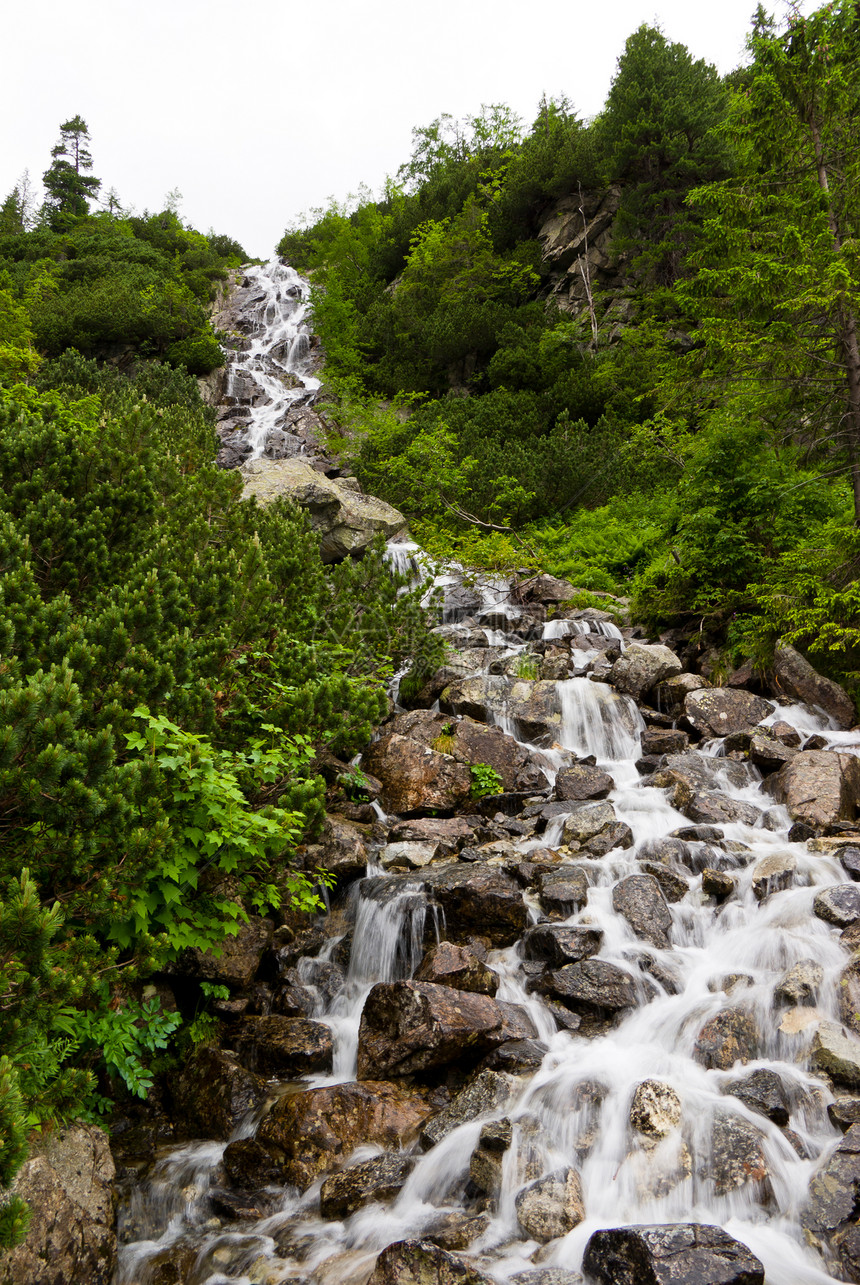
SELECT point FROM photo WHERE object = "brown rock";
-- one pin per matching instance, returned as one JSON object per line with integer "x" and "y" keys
{"x": 67, "y": 1184}
{"x": 671, "y": 694}
{"x": 284, "y": 1047}
{"x": 235, "y": 962}
{"x": 794, "y": 676}
{"x": 731, "y": 1036}
{"x": 819, "y": 787}
{"x": 417, "y": 1262}
{"x": 737, "y": 1155}
{"x": 310, "y": 1133}
{"x": 642, "y": 667}
{"x": 639, "y": 899}
{"x": 414, "y": 777}
{"x": 552, "y": 1206}
{"x": 213, "y": 1093}
{"x": 456, "y": 966}
{"x": 379, "y": 1179}
{"x": 479, "y": 899}
{"x": 580, "y": 782}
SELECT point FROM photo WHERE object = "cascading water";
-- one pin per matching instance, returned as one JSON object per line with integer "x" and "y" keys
{"x": 271, "y": 372}
{"x": 575, "y": 1110}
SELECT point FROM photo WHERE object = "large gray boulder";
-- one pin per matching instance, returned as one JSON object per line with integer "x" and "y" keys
{"x": 479, "y": 899}
{"x": 794, "y": 676}
{"x": 718, "y": 711}
{"x": 670, "y": 1254}
{"x": 533, "y": 706}
{"x": 642, "y": 667}
{"x": 830, "y": 1217}
{"x": 67, "y": 1184}
{"x": 819, "y": 787}
{"x": 639, "y": 900}
{"x": 347, "y": 520}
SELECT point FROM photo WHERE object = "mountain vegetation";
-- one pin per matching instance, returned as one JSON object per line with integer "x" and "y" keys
{"x": 172, "y": 660}
{"x": 673, "y": 416}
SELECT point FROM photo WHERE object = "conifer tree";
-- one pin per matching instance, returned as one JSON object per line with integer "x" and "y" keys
{"x": 68, "y": 185}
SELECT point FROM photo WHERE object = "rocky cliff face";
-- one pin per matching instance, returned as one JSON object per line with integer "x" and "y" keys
{"x": 576, "y": 234}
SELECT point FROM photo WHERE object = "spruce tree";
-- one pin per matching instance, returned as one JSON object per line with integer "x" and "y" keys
{"x": 68, "y": 185}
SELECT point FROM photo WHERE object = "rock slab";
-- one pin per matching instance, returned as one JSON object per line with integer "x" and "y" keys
{"x": 671, "y": 1254}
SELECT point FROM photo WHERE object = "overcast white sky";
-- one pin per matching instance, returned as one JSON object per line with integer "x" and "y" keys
{"x": 259, "y": 111}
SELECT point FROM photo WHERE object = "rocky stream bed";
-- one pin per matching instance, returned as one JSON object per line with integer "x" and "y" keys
{"x": 602, "y": 1025}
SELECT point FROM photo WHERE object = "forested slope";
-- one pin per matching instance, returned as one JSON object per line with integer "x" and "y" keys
{"x": 626, "y": 349}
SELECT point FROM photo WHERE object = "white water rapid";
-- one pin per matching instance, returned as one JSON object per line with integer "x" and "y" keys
{"x": 180, "y": 1222}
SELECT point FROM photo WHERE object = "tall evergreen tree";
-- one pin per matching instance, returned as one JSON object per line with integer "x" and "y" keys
{"x": 69, "y": 187}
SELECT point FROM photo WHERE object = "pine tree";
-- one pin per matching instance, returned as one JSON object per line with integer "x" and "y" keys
{"x": 69, "y": 187}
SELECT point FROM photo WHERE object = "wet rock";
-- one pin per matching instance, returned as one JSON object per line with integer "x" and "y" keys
{"x": 849, "y": 859}
{"x": 482, "y": 899}
{"x": 412, "y": 1026}
{"x": 515, "y": 1057}
{"x": 670, "y": 1254}
{"x": 731, "y": 1036}
{"x": 737, "y": 1154}
{"x": 717, "y": 711}
{"x": 642, "y": 667}
{"x": 800, "y": 984}
{"x": 830, "y": 1217}
{"x": 594, "y": 828}
{"x": 284, "y": 1047}
{"x": 310, "y": 1133}
{"x": 450, "y": 834}
{"x": 836, "y": 1053}
{"x": 456, "y": 1230}
{"x": 767, "y": 752}
{"x": 655, "y": 1109}
{"x": 819, "y": 787}
{"x": 457, "y": 966}
{"x": 639, "y": 900}
{"x": 478, "y": 743}
{"x": 346, "y": 521}
{"x": 786, "y": 733}
{"x": 533, "y": 705}
{"x": 552, "y": 1206}
{"x": 488, "y": 1092}
{"x": 418, "y": 1262}
{"x": 794, "y": 676}
{"x": 563, "y": 890}
{"x": 379, "y": 1179}
{"x": 66, "y": 1181}
{"x": 487, "y": 1160}
{"x": 561, "y": 945}
{"x": 671, "y": 694}
{"x": 849, "y": 995}
{"x": 342, "y": 850}
{"x": 844, "y": 1111}
{"x": 664, "y": 740}
{"x": 666, "y": 851}
{"x": 213, "y": 1093}
{"x": 580, "y": 782}
{"x": 593, "y": 988}
{"x": 763, "y": 1092}
{"x": 673, "y": 884}
{"x": 839, "y": 905}
{"x": 411, "y": 856}
{"x": 414, "y": 777}
{"x": 548, "y": 589}
{"x": 237, "y": 961}
{"x": 774, "y": 873}
{"x": 547, "y": 1276}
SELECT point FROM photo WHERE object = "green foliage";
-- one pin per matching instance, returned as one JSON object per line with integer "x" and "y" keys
{"x": 121, "y": 1037}
{"x": 68, "y": 187}
{"x": 485, "y": 780}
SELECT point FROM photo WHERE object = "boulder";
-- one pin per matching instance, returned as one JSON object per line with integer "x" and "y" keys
{"x": 655, "y": 1109}
{"x": 774, "y": 873}
{"x": 449, "y": 834}
{"x": 794, "y": 676}
{"x": 213, "y": 1093}
{"x": 480, "y": 899}
{"x": 844, "y": 1111}
{"x": 671, "y": 694}
{"x": 533, "y": 706}
{"x": 412, "y": 856}
{"x": 379, "y": 1179}
{"x": 346, "y": 520}
{"x": 639, "y": 900}
{"x": 641, "y": 667}
{"x": 769, "y": 753}
{"x": 414, "y": 777}
{"x": 308, "y": 1134}
{"x": 580, "y": 782}
{"x": 67, "y": 1182}
{"x": 420, "y": 1262}
{"x": 673, "y": 883}
{"x": 283, "y": 1047}
{"x": 763, "y": 1092}
{"x": 839, "y": 905}
{"x": 717, "y": 883}
{"x": 408, "y": 1027}
{"x": 474, "y": 742}
{"x": 456, "y": 1230}
{"x": 849, "y": 995}
{"x": 830, "y": 1217}
{"x": 819, "y": 787}
{"x": 552, "y": 1206}
{"x": 708, "y": 807}
{"x": 717, "y": 711}
{"x": 664, "y": 740}
{"x": 486, "y": 1162}
{"x": 594, "y": 828}
{"x": 342, "y": 850}
{"x": 547, "y": 1276}
{"x": 836, "y": 1053}
{"x": 559, "y": 945}
{"x": 596, "y": 990}
{"x": 235, "y": 962}
{"x": 670, "y": 1254}
{"x": 730, "y": 1036}
{"x": 563, "y": 890}
{"x": 487, "y": 1093}
{"x": 800, "y": 984}
{"x": 450, "y": 965}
